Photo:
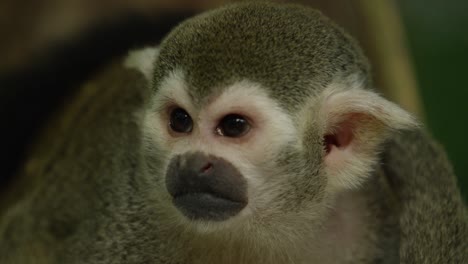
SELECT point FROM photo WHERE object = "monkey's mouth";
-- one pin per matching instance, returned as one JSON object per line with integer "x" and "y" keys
{"x": 206, "y": 188}
{"x": 208, "y": 205}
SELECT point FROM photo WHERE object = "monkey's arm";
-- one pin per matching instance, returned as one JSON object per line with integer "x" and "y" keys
{"x": 433, "y": 217}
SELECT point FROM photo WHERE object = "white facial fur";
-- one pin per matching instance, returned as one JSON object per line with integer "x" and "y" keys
{"x": 343, "y": 109}
{"x": 368, "y": 119}
{"x": 252, "y": 154}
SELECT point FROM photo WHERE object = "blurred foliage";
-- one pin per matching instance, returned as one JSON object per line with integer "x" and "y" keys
{"x": 437, "y": 34}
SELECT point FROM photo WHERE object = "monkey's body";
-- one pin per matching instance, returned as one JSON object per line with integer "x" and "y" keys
{"x": 109, "y": 221}
{"x": 91, "y": 202}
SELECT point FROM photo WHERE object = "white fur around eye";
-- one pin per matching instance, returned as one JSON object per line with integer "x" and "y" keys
{"x": 272, "y": 129}
{"x": 171, "y": 92}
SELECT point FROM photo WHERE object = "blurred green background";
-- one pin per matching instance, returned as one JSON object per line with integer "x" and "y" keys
{"x": 437, "y": 34}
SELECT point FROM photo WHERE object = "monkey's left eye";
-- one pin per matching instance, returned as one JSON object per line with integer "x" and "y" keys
{"x": 233, "y": 125}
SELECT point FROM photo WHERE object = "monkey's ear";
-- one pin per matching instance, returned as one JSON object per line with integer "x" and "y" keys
{"x": 142, "y": 60}
{"x": 356, "y": 122}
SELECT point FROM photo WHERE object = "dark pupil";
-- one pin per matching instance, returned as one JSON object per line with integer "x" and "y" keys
{"x": 234, "y": 126}
{"x": 180, "y": 121}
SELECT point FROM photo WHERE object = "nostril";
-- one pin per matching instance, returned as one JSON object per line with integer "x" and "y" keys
{"x": 206, "y": 168}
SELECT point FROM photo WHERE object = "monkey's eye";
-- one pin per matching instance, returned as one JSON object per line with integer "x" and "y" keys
{"x": 233, "y": 125}
{"x": 180, "y": 121}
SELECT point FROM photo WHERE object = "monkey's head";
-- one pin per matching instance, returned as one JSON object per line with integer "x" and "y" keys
{"x": 259, "y": 115}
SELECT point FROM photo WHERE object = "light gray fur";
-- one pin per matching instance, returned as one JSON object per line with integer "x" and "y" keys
{"x": 92, "y": 199}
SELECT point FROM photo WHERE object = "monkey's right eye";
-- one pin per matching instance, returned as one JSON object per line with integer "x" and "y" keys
{"x": 180, "y": 121}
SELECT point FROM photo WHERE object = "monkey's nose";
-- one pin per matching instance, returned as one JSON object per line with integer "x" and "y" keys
{"x": 206, "y": 187}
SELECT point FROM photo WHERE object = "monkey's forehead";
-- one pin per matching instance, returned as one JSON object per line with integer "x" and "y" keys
{"x": 290, "y": 49}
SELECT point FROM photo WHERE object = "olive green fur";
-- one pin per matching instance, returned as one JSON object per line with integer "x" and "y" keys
{"x": 290, "y": 49}
{"x": 433, "y": 217}
{"x": 87, "y": 193}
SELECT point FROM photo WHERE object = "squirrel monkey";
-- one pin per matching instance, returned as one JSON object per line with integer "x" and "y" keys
{"x": 256, "y": 138}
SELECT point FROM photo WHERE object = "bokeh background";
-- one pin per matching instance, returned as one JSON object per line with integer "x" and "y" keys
{"x": 48, "y": 49}
{"x": 437, "y": 34}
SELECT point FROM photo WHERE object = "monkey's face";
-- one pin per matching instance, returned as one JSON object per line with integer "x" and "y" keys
{"x": 259, "y": 117}
{"x": 234, "y": 155}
